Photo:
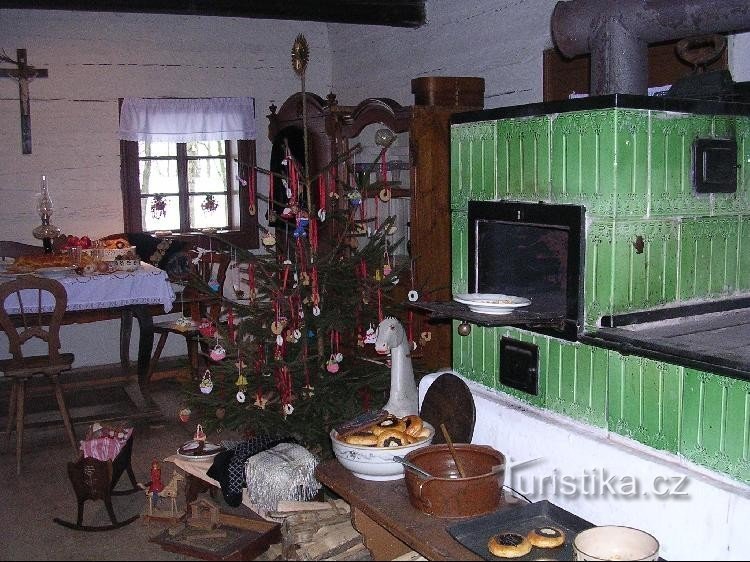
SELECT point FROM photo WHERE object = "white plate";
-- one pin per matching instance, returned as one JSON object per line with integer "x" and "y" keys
{"x": 210, "y": 451}
{"x": 490, "y": 300}
{"x": 55, "y": 272}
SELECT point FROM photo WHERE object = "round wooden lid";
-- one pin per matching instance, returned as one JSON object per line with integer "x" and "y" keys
{"x": 449, "y": 401}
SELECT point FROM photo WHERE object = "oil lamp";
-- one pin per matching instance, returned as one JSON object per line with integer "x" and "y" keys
{"x": 45, "y": 232}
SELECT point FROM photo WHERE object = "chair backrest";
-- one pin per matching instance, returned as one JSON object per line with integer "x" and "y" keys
{"x": 42, "y": 306}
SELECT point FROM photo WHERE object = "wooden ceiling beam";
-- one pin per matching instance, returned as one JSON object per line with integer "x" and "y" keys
{"x": 392, "y": 13}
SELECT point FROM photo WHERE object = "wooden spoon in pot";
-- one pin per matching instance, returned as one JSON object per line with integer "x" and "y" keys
{"x": 460, "y": 467}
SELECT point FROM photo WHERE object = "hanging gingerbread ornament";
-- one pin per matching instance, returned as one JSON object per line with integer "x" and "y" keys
{"x": 218, "y": 352}
{"x": 206, "y": 385}
{"x": 268, "y": 239}
{"x": 332, "y": 365}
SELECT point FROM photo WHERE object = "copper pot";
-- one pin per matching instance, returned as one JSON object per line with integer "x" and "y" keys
{"x": 445, "y": 493}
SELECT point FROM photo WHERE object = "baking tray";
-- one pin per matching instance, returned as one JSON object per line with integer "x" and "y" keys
{"x": 475, "y": 533}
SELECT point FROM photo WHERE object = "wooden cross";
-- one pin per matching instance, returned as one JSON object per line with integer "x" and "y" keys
{"x": 24, "y": 74}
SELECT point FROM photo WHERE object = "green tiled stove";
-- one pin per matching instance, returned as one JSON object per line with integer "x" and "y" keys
{"x": 626, "y": 220}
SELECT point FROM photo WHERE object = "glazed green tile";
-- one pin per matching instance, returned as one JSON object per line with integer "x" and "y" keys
{"x": 471, "y": 145}
{"x": 661, "y": 397}
{"x": 743, "y": 254}
{"x": 527, "y": 152}
{"x": 622, "y": 257}
{"x": 599, "y": 268}
{"x": 582, "y": 164}
{"x": 590, "y": 389}
{"x": 459, "y": 252}
{"x": 644, "y": 398}
{"x": 716, "y": 423}
{"x": 577, "y": 381}
{"x": 737, "y": 420}
{"x": 708, "y": 257}
{"x": 631, "y": 164}
{"x": 460, "y": 168}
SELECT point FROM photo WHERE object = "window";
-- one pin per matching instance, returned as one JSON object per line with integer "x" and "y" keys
{"x": 184, "y": 169}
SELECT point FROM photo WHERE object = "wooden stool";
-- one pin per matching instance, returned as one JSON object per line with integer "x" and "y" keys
{"x": 93, "y": 479}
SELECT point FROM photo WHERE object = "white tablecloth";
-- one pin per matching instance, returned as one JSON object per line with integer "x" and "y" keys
{"x": 146, "y": 285}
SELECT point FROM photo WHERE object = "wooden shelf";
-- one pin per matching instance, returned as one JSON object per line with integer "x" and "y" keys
{"x": 451, "y": 310}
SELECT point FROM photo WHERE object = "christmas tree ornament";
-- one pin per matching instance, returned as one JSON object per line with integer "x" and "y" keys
{"x": 316, "y": 310}
{"x": 322, "y": 215}
{"x": 425, "y": 337}
{"x": 183, "y": 323}
{"x": 287, "y": 410}
{"x": 413, "y": 296}
{"x": 279, "y": 340}
{"x": 206, "y": 328}
{"x": 384, "y": 137}
{"x": 260, "y": 400}
{"x": 200, "y": 435}
{"x": 277, "y": 326}
{"x": 331, "y": 365}
{"x": 240, "y": 396}
{"x": 218, "y": 353}
{"x": 370, "y": 335}
{"x": 206, "y": 384}
{"x": 464, "y": 329}
{"x": 385, "y": 195}
{"x": 268, "y": 239}
{"x": 184, "y": 414}
{"x": 355, "y": 198}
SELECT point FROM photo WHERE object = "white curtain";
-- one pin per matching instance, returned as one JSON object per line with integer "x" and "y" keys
{"x": 185, "y": 120}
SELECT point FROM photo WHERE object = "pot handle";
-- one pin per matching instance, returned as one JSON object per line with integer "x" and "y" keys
{"x": 424, "y": 501}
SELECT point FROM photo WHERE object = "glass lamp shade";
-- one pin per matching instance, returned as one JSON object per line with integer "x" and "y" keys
{"x": 45, "y": 207}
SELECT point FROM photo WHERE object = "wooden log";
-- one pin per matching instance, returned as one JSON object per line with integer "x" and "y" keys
{"x": 246, "y": 523}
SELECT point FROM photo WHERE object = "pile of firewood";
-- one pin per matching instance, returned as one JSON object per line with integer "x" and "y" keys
{"x": 316, "y": 531}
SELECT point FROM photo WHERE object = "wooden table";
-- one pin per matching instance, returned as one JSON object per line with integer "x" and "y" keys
{"x": 121, "y": 295}
{"x": 381, "y": 511}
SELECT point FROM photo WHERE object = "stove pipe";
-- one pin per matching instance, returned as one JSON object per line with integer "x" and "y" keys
{"x": 617, "y": 33}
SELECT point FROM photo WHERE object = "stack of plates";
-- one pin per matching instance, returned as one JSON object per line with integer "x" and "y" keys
{"x": 491, "y": 303}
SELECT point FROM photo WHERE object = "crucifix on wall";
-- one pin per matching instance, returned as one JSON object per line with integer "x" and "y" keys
{"x": 24, "y": 74}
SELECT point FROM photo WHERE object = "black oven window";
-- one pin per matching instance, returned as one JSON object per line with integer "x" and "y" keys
{"x": 525, "y": 260}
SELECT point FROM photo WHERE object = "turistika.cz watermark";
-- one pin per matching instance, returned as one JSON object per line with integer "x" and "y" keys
{"x": 595, "y": 483}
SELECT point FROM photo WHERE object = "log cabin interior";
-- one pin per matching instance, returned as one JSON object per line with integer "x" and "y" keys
{"x": 591, "y": 156}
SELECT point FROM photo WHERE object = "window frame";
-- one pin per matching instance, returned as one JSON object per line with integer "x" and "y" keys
{"x": 244, "y": 234}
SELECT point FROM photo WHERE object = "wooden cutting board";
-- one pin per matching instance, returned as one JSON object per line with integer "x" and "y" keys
{"x": 449, "y": 401}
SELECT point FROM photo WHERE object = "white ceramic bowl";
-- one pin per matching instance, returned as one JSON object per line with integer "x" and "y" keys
{"x": 612, "y": 542}
{"x": 375, "y": 463}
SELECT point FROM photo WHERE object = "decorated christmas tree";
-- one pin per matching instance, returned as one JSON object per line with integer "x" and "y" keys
{"x": 291, "y": 358}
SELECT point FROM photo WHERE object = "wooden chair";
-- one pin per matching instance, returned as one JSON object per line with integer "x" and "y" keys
{"x": 197, "y": 304}
{"x": 39, "y": 325}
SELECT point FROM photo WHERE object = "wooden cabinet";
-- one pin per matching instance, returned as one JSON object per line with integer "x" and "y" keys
{"x": 422, "y": 150}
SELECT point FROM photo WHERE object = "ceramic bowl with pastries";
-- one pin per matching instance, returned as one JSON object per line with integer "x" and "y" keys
{"x": 367, "y": 450}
